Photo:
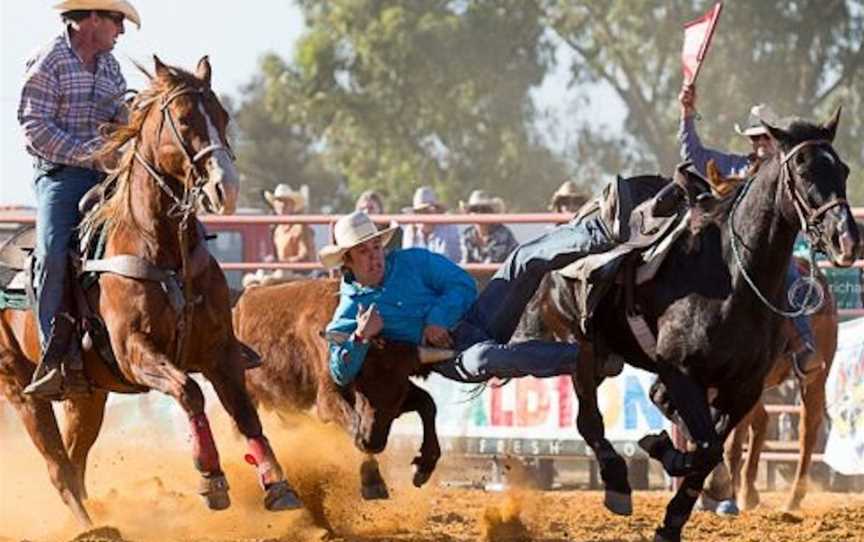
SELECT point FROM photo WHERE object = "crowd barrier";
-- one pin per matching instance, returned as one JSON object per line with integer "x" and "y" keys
{"x": 529, "y": 417}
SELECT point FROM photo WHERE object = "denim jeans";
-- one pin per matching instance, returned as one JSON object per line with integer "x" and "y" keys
{"x": 483, "y": 335}
{"x": 58, "y": 191}
{"x": 802, "y": 321}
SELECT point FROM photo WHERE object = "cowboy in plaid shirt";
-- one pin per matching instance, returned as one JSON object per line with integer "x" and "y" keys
{"x": 71, "y": 88}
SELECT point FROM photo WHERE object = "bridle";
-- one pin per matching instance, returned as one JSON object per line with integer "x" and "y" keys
{"x": 808, "y": 217}
{"x": 185, "y": 205}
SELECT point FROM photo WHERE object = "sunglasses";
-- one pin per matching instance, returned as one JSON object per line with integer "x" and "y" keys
{"x": 760, "y": 137}
{"x": 481, "y": 209}
{"x": 116, "y": 18}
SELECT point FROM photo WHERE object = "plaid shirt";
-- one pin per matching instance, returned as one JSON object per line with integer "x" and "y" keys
{"x": 63, "y": 105}
{"x": 498, "y": 246}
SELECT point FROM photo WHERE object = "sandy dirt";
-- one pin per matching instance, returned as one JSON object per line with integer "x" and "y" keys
{"x": 142, "y": 488}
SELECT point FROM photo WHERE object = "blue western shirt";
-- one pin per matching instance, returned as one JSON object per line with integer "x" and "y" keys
{"x": 728, "y": 164}
{"x": 419, "y": 288}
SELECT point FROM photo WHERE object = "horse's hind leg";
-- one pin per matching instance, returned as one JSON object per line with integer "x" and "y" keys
{"x": 758, "y": 431}
{"x": 41, "y": 425}
{"x": 84, "y": 416}
{"x": 812, "y": 409}
{"x": 372, "y": 484}
{"x": 155, "y": 371}
{"x": 589, "y": 422}
{"x": 228, "y": 380}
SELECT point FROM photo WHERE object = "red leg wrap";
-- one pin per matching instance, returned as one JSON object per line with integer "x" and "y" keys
{"x": 261, "y": 455}
{"x": 204, "y": 451}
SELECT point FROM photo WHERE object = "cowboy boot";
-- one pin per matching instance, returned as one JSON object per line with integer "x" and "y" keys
{"x": 806, "y": 363}
{"x": 60, "y": 370}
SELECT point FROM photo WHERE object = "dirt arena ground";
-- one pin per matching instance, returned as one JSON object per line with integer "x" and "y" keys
{"x": 142, "y": 490}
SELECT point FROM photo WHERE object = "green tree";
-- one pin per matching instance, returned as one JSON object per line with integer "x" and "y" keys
{"x": 400, "y": 93}
{"x": 802, "y": 57}
{"x": 271, "y": 152}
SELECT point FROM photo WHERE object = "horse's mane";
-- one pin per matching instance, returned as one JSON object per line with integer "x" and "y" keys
{"x": 117, "y": 206}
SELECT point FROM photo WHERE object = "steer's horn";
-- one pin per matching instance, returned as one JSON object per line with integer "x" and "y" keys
{"x": 427, "y": 354}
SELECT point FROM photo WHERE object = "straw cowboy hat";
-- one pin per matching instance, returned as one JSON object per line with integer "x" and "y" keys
{"x": 285, "y": 192}
{"x": 120, "y": 6}
{"x": 482, "y": 198}
{"x": 568, "y": 189}
{"x": 350, "y": 231}
{"x": 758, "y": 114}
{"x": 425, "y": 199}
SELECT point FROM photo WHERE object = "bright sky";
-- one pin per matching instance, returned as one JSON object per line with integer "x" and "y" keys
{"x": 234, "y": 35}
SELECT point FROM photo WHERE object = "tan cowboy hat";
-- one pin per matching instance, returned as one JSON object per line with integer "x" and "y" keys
{"x": 120, "y": 6}
{"x": 350, "y": 231}
{"x": 425, "y": 199}
{"x": 482, "y": 198}
{"x": 285, "y": 192}
{"x": 758, "y": 114}
{"x": 568, "y": 189}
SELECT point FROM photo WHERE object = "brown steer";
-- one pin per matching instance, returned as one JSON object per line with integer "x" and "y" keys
{"x": 283, "y": 323}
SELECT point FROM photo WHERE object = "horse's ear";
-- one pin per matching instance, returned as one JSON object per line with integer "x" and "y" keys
{"x": 830, "y": 127}
{"x": 778, "y": 134}
{"x": 161, "y": 69}
{"x": 203, "y": 70}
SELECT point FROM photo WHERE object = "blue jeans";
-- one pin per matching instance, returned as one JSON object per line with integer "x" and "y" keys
{"x": 58, "y": 191}
{"x": 802, "y": 321}
{"x": 483, "y": 335}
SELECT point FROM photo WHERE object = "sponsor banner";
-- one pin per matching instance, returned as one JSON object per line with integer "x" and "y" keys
{"x": 530, "y": 416}
{"x": 844, "y": 390}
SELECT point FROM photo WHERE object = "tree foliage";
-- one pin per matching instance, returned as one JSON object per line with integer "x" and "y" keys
{"x": 804, "y": 58}
{"x": 392, "y": 94}
{"x": 403, "y": 93}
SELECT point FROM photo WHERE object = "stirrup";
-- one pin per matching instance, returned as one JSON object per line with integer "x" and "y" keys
{"x": 48, "y": 385}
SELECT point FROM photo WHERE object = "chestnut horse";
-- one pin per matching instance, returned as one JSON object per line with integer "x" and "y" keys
{"x": 174, "y": 322}
{"x": 824, "y": 322}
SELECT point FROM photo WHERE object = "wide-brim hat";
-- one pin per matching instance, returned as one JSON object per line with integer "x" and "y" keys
{"x": 120, "y": 6}
{"x": 481, "y": 198}
{"x": 285, "y": 192}
{"x": 350, "y": 231}
{"x": 754, "y": 127}
{"x": 425, "y": 199}
{"x": 568, "y": 189}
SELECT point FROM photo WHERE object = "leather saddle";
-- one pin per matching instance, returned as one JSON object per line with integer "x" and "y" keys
{"x": 627, "y": 208}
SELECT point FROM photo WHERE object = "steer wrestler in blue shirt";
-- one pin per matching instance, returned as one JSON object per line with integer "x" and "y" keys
{"x": 417, "y": 296}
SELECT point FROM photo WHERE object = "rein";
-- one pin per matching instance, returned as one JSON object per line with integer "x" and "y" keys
{"x": 808, "y": 218}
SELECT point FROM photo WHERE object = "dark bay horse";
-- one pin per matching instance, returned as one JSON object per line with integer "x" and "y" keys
{"x": 174, "y": 322}
{"x": 715, "y": 308}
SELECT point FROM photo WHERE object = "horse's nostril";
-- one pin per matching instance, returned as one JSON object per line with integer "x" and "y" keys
{"x": 220, "y": 193}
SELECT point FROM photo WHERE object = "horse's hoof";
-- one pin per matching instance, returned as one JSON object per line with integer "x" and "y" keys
{"x": 618, "y": 503}
{"x": 279, "y": 496}
{"x": 421, "y": 476}
{"x": 663, "y": 534}
{"x": 214, "y": 489}
{"x": 727, "y": 508}
{"x": 375, "y": 492}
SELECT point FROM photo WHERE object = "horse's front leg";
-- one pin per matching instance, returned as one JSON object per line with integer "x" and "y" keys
{"x": 690, "y": 400}
{"x": 228, "y": 380}
{"x": 734, "y": 407}
{"x": 419, "y": 401}
{"x": 149, "y": 367}
{"x": 589, "y": 422}
{"x": 84, "y": 417}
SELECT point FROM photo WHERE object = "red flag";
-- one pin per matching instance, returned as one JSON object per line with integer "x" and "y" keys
{"x": 697, "y": 38}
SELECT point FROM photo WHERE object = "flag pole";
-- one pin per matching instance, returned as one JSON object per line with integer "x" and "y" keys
{"x": 707, "y": 43}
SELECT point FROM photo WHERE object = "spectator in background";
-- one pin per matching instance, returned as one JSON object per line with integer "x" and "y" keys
{"x": 567, "y": 199}
{"x": 485, "y": 243}
{"x": 438, "y": 238}
{"x": 294, "y": 243}
{"x": 370, "y": 202}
